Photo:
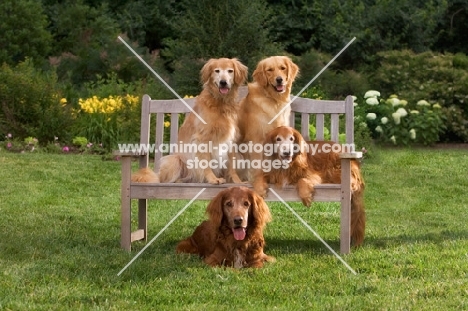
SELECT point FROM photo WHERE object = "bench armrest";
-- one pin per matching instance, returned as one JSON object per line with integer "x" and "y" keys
{"x": 351, "y": 155}
{"x": 119, "y": 153}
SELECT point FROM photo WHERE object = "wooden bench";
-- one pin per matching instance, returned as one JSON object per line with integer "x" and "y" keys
{"x": 302, "y": 108}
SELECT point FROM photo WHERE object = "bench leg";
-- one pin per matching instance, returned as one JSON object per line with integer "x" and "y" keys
{"x": 345, "y": 227}
{"x": 142, "y": 217}
{"x": 126, "y": 233}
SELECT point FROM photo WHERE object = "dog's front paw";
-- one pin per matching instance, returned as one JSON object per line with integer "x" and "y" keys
{"x": 306, "y": 200}
{"x": 217, "y": 181}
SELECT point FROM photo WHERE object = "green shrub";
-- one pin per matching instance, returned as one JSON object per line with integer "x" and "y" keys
{"x": 31, "y": 104}
{"x": 333, "y": 83}
{"x": 398, "y": 121}
{"x": 438, "y": 78}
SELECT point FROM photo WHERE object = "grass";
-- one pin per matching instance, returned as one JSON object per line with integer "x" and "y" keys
{"x": 60, "y": 226}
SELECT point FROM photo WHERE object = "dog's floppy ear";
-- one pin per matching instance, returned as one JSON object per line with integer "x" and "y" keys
{"x": 270, "y": 136}
{"x": 260, "y": 211}
{"x": 300, "y": 157}
{"x": 259, "y": 74}
{"x": 214, "y": 210}
{"x": 240, "y": 72}
{"x": 293, "y": 69}
{"x": 298, "y": 139}
{"x": 205, "y": 72}
{"x": 270, "y": 140}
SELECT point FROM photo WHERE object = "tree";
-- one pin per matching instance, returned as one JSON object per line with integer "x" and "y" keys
{"x": 212, "y": 29}
{"x": 84, "y": 38}
{"x": 23, "y": 32}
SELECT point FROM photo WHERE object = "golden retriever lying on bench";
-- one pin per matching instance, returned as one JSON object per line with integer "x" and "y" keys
{"x": 305, "y": 169}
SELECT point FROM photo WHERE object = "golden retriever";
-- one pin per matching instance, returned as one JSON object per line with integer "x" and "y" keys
{"x": 217, "y": 106}
{"x": 305, "y": 168}
{"x": 146, "y": 175}
{"x": 233, "y": 234}
{"x": 268, "y": 95}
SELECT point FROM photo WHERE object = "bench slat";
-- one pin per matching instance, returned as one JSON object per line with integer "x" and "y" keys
{"x": 187, "y": 191}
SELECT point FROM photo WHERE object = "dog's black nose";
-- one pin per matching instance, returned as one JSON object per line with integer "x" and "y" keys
{"x": 287, "y": 153}
{"x": 223, "y": 83}
{"x": 238, "y": 221}
{"x": 279, "y": 80}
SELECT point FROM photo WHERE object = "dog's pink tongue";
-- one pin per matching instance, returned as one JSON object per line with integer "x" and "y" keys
{"x": 279, "y": 88}
{"x": 224, "y": 90}
{"x": 239, "y": 233}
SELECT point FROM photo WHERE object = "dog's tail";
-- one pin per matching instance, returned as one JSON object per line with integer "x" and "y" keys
{"x": 358, "y": 213}
{"x": 145, "y": 175}
{"x": 172, "y": 169}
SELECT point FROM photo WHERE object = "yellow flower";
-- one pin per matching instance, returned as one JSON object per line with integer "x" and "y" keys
{"x": 167, "y": 124}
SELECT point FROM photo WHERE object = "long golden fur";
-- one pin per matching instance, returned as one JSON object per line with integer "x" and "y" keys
{"x": 233, "y": 234}
{"x": 307, "y": 169}
{"x": 217, "y": 106}
{"x": 268, "y": 95}
{"x": 146, "y": 175}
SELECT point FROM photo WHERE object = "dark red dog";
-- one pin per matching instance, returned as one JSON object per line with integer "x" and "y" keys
{"x": 233, "y": 234}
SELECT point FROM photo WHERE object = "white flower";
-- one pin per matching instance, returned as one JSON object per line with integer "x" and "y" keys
{"x": 372, "y": 101}
{"x": 371, "y": 116}
{"x": 379, "y": 129}
{"x": 396, "y": 117}
{"x": 354, "y": 104}
{"x": 402, "y": 112}
{"x": 384, "y": 120}
{"x": 403, "y": 102}
{"x": 372, "y": 93}
{"x": 354, "y": 98}
{"x": 393, "y": 101}
{"x": 393, "y": 139}
{"x": 423, "y": 103}
{"x": 414, "y": 112}
{"x": 436, "y": 106}
{"x": 412, "y": 133}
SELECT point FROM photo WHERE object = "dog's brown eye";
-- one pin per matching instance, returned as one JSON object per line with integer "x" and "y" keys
{"x": 278, "y": 139}
{"x": 246, "y": 203}
{"x": 217, "y": 70}
{"x": 230, "y": 71}
{"x": 283, "y": 68}
{"x": 228, "y": 204}
{"x": 291, "y": 138}
{"x": 270, "y": 69}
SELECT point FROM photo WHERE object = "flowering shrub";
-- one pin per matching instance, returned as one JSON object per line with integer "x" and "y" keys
{"x": 107, "y": 105}
{"x": 399, "y": 122}
{"x": 100, "y": 119}
{"x": 15, "y": 145}
{"x": 441, "y": 77}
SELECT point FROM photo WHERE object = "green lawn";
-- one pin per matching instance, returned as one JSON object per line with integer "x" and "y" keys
{"x": 60, "y": 227}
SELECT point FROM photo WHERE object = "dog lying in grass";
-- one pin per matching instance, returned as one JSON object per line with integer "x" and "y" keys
{"x": 233, "y": 234}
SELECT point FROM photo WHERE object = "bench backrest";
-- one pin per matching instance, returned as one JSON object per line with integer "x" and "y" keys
{"x": 325, "y": 111}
